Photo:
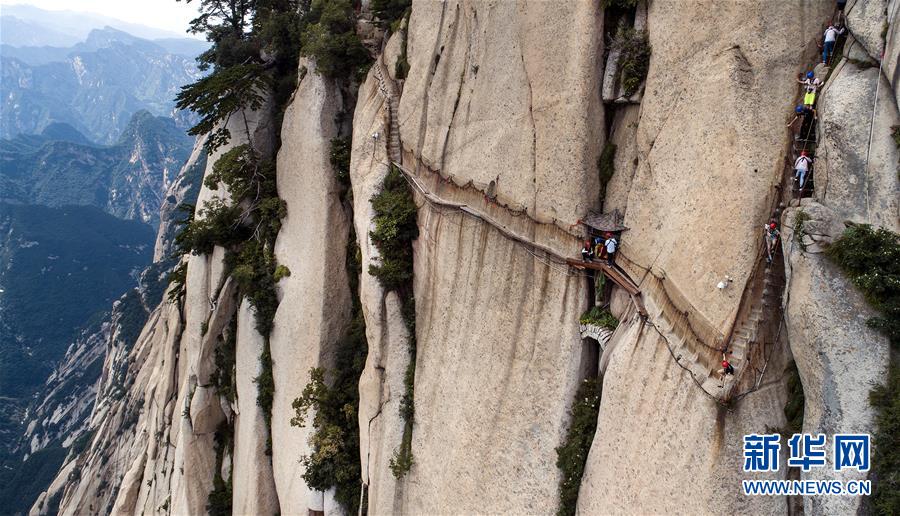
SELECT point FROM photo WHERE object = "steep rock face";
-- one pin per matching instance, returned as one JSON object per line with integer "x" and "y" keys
{"x": 708, "y": 158}
{"x": 857, "y": 159}
{"x": 662, "y": 443}
{"x": 839, "y": 357}
{"x": 156, "y": 416}
{"x": 499, "y": 347}
{"x": 252, "y": 482}
{"x": 866, "y": 20}
{"x": 525, "y": 115}
{"x": 708, "y": 145}
{"x": 315, "y": 299}
{"x": 381, "y": 383}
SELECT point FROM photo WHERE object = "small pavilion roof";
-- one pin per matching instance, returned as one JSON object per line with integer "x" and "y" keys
{"x": 611, "y": 221}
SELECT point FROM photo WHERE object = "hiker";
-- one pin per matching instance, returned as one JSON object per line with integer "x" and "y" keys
{"x": 599, "y": 246}
{"x": 801, "y": 169}
{"x": 587, "y": 252}
{"x": 831, "y": 34}
{"x": 611, "y": 247}
{"x": 806, "y": 115}
{"x": 727, "y": 368}
{"x": 811, "y": 83}
{"x": 771, "y": 240}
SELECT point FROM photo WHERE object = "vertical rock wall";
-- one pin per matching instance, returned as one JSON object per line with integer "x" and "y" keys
{"x": 838, "y": 356}
{"x": 314, "y": 311}
{"x": 499, "y": 348}
{"x": 710, "y": 149}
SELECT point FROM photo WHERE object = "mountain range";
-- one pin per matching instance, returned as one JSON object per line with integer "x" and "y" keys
{"x": 93, "y": 155}
{"x": 94, "y": 86}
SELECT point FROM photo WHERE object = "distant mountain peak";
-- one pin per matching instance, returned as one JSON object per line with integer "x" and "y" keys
{"x": 99, "y": 38}
{"x": 64, "y": 132}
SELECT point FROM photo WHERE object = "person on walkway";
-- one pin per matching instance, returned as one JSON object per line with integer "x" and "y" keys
{"x": 771, "y": 237}
{"x": 612, "y": 246}
{"x": 599, "y": 246}
{"x": 831, "y": 34}
{"x": 727, "y": 368}
{"x": 811, "y": 83}
{"x": 587, "y": 252}
{"x": 806, "y": 115}
{"x": 801, "y": 169}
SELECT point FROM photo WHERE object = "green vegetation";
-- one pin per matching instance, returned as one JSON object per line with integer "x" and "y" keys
{"x": 340, "y": 159}
{"x": 329, "y": 37}
{"x": 401, "y": 67}
{"x": 335, "y": 402}
{"x": 223, "y": 378}
{"x": 599, "y": 317}
{"x": 885, "y": 473}
{"x": 635, "y": 60}
{"x": 219, "y": 501}
{"x": 265, "y": 389}
{"x": 253, "y": 52}
{"x": 254, "y": 58}
{"x": 395, "y": 230}
{"x": 572, "y": 454}
{"x": 62, "y": 267}
{"x": 390, "y": 12}
{"x": 871, "y": 259}
{"x": 606, "y": 166}
{"x": 333, "y": 394}
{"x": 31, "y": 477}
{"x": 794, "y": 408}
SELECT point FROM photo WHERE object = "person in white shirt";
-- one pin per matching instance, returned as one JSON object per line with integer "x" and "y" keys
{"x": 611, "y": 247}
{"x": 801, "y": 169}
{"x": 831, "y": 34}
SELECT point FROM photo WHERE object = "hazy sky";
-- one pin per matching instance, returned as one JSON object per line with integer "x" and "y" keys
{"x": 162, "y": 14}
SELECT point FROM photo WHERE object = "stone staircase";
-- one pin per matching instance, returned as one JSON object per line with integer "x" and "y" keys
{"x": 704, "y": 364}
{"x": 388, "y": 91}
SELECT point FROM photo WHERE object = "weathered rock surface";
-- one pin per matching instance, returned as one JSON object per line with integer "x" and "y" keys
{"x": 891, "y": 58}
{"x": 499, "y": 345}
{"x": 154, "y": 421}
{"x": 709, "y": 151}
{"x": 839, "y": 357}
{"x": 857, "y": 159}
{"x": 185, "y": 186}
{"x": 708, "y": 158}
{"x": 662, "y": 444}
{"x": 253, "y": 483}
{"x": 866, "y": 20}
{"x": 525, "y": 114}
{"x": 314, "y": 313}
{"x": 381, "y": 383}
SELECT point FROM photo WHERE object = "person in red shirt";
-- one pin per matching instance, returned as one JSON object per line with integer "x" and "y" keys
{"x": 727, "y": 368}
